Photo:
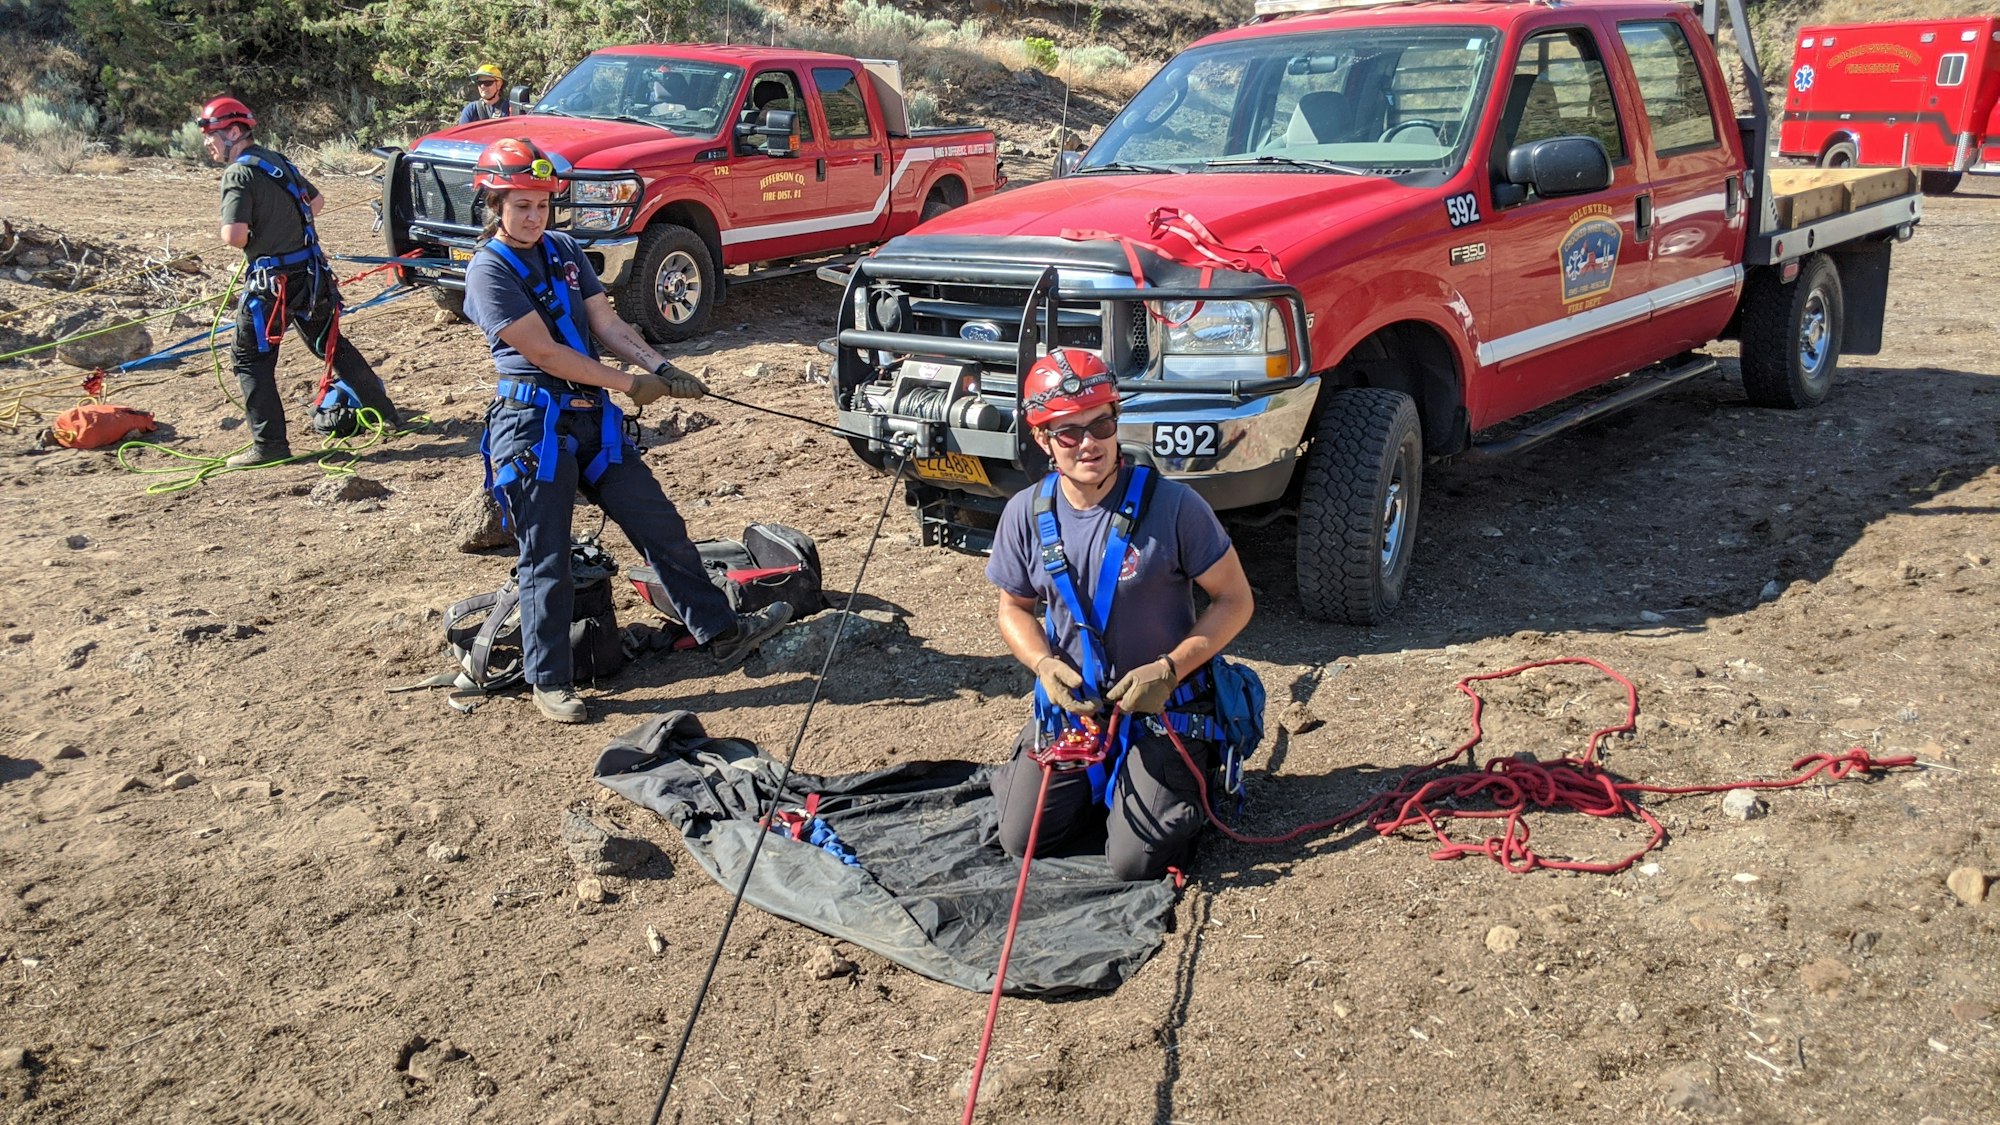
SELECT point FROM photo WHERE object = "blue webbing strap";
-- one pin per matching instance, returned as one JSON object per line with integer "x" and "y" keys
{"x": 1091, "y": 620}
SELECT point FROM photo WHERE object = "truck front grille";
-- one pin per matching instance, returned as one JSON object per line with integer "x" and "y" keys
{"x": 443, "y": 193}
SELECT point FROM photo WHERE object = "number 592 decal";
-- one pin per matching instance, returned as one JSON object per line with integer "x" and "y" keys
{"x": 1462, "y": 209}
{"x": 1187, "y": 439}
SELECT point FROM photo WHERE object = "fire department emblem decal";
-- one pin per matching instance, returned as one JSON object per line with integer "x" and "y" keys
{"x": 1802, "y": 79}
{"x": 1589, "y": 254}
{"x": 1130, "y": 569}
{"x": 571, "y": 275}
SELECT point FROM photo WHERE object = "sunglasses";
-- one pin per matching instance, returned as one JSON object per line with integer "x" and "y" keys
{"x": 1069, "y": 437}
{"x": 489, "y": 82}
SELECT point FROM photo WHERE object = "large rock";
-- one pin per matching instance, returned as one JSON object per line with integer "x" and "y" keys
{"x": 351, "y": 488}
{"x": 475, "y": 524}
{"x": 601, "y": 852}
{"x": 128, "y": 341}
{"x": 801, "y": 647}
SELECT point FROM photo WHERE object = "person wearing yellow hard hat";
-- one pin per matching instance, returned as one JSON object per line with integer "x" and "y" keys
{"x": 492, "y": 86}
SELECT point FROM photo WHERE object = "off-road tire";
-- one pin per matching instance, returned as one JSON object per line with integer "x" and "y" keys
{"x": 1939, "y": 183}
{"x": 1359, "y": 501}
{"x": 941, "y": 199}
{"x": 1791, "y": 335}
{"x": 1842, "y": 155}
{"x": 450, "y": 302}
{"x": 671, "y": 293}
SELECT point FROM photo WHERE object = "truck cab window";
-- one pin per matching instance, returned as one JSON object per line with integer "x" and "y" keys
{"x": 1671, "y": 89}
{"x": 840, "y": 99}
{"x": 777, "y": 90}
{"x": 1559, "y": 89}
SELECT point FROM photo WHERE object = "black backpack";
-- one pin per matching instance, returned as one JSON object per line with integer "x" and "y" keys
{"x": 484, "y": 631}
{"x": 772, "y": 563}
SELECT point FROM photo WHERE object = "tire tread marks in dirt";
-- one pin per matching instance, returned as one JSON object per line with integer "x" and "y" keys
{"x": 1340, "y": 573}
{"x": 1772, "y": 309}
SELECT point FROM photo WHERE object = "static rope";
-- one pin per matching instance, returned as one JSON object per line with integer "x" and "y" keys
{"x": 1513, "y": 783}
{"x": 793, "y": 417}
{"x": 784, "y": 775}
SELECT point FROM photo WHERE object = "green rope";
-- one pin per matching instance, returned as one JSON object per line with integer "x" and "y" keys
{"x": 336, "y": 456}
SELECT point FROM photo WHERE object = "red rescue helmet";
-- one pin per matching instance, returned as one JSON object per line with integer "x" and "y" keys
{"x": 221, "y": 113}
{"x": 515, "y": 164}
{"x": 1067, "y": 381}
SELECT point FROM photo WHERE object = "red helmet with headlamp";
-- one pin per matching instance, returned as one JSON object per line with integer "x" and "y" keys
{"x": 512, "y": 164}
{"x": 1067, "y": 381}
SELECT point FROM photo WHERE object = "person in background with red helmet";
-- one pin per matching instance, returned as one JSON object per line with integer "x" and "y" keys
{"x": 268, "y": 207}
{"x": 492, "y": 101}
{"x": 1112, "y": 554}
{"x": 554, "y": 430}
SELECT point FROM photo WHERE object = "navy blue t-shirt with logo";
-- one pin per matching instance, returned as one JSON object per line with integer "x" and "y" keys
{"x": 495, "y": 296}
{"x": 1177, "y": 540}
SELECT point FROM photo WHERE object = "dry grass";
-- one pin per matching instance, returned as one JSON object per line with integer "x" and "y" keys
{"x": 103, "y": 164}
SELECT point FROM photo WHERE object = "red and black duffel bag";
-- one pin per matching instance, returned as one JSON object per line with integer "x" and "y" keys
{"x": 772, "y": 563}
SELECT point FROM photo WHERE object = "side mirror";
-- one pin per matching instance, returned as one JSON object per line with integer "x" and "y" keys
{"x": 1066, "y": 162}
{"x": 1560, "y": 166}
{"x": 521, "y": 96}
{"x": 778, "y": 125}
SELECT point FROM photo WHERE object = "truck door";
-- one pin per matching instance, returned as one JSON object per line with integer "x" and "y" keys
{"x": 1954, "y": 87}
{"x": 771, "y": 197}
{"x": 1691, "y": 220}
{"x": 1569, "y": 275}
{"x": 856, "y": 155}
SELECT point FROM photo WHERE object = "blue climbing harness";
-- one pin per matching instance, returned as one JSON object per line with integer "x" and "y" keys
{"x": 266, "y": 271}
{"x": 1222, "y": 703}
{"x": 551, "y": 297}
{"x": 1093, "y": 618}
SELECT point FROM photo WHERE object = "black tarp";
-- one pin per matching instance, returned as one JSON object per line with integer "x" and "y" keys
{"x": 933, "y": 890}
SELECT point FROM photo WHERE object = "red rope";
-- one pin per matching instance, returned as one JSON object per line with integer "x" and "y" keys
{"x": 1517, "y": 784}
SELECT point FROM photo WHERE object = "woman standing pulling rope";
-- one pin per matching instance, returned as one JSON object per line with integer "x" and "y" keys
{"x": 554, "y": 430}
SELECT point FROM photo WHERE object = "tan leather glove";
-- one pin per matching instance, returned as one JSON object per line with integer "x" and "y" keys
{"x": 1060, "y": 683}
{"x": 683, "y": 385}
{"x": 648, "y": 388}
{"x": 1144, "y": 690}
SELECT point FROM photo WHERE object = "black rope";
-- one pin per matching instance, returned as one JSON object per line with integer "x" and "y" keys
{"x": 793, "y": 417}
{"x": 784, "y": 775}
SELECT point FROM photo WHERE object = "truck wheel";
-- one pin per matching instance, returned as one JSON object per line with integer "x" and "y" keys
{"x": 1791, "y": 335}
{"x": 941, "y": 199}
{"x": 672, "y": 288}
{"x": 1939, "y": 183}
{"x": 1842, "y": 155}
{"x": 1358, "y": 508}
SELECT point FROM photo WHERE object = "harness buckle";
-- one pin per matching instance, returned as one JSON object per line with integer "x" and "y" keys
{"x": 1052, "y": 555}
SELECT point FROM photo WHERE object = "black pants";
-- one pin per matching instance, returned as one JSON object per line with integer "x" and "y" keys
{"x": 310, "y": 299}
{"x": 1155, "y": 805}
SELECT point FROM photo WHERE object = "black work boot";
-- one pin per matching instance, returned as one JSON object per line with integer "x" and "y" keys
{"x": 752, "y": 629}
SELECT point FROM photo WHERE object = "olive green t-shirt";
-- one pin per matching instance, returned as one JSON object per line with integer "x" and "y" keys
{"x": 251, "y": 195}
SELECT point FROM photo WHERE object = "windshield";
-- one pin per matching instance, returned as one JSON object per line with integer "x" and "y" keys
{"x": 1369, "y": 100}
{"x": 677, "y": 94}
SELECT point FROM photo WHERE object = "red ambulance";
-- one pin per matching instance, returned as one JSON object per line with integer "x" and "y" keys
{"x": 1920, "y": 93}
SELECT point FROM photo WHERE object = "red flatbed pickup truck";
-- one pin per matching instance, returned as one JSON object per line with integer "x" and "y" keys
{"x": 1327, "y": 248}
{"x": 688, "y": 161}
{"x": 1923, "y": 93}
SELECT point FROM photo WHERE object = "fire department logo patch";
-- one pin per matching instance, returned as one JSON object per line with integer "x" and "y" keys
{"x": 571, "y": 275}
{"x": 1130, "y": 569}
{"x": 1802, "y": 79}
{"x": 1589, "y": 254}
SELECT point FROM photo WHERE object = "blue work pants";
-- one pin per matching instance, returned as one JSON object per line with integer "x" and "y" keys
{"x": 541, "y": 512}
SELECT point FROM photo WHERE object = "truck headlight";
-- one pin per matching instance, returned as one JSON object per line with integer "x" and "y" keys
{"x": 597, "y": 218}
{"x": 585, "y": 192}
{"x": 1227, "y": 328}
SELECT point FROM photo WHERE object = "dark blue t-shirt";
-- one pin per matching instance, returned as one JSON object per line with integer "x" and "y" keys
{"x": 495, "y": 295}
{"x": 1177, "y": 540}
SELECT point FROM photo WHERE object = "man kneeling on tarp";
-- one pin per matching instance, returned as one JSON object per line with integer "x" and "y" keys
{"x": 1112, "y": 552}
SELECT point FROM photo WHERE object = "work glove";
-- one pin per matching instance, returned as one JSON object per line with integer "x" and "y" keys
{"x": 1144, "y": 690}
{"x": 1060, "y": 683}
{"x": 648, "y": 388}
{"x": 680, "y": 384}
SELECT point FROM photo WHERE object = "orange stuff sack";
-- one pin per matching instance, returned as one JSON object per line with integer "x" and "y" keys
{"x": 98, "y": 424}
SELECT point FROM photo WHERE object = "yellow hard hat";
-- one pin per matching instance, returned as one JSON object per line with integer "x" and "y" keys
{"x": 488, "y": 71}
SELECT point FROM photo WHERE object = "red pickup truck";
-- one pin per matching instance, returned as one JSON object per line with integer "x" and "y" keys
{"x": 1327, "y": 248}
{"x": 690, "y": 161}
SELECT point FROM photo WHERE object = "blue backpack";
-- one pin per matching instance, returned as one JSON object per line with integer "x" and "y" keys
{"x": 1239, "y": 711}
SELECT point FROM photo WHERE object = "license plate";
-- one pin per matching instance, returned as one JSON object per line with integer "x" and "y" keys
{"x": 1187, "y": 439}
{"x": 953, "y": 468}
{"x": 458, "y": 255}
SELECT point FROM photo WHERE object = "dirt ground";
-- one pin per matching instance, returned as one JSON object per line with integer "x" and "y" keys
{"x": 242, "y": 883}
